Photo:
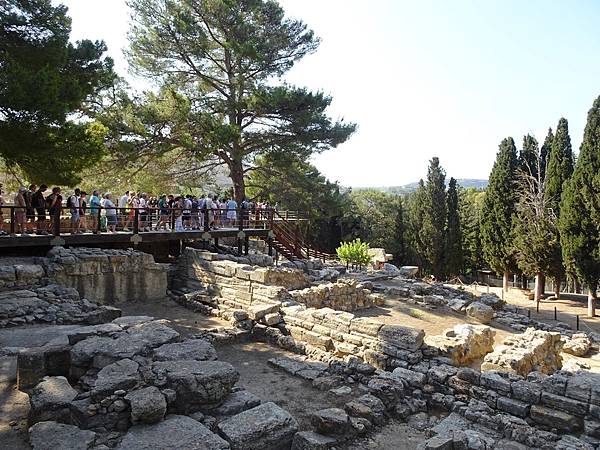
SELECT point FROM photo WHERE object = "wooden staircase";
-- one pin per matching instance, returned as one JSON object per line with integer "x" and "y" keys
{"x": 289, "y": 241}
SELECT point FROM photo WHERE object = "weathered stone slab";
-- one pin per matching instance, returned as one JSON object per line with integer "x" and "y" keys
{"x": 59, "y": 436}
{"x": 197, "y": 383}
{"x": 555, "y": 419}
{"x": 148, "y": 405}
{"x": 197, "y": 349}
{"x": 331, "y": 421}
{"x": 173, "y": 433}
{"x": 534, "y": 350}
{"x": 120, "y": 375}
{"x": 263, "y": 427}
{"x": 463, "y": 343}
{"x": 236, "y": 403}
{"x": 403, "y": 337}
{"x": 309, "y": 440}
{"x": 480, "y": 312}
{"x": 50, "y": 400}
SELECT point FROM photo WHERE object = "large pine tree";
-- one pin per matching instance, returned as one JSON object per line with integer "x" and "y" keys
{"x": 579, "y": 221}
{"x": 498, "y": 211}
{"x": 454, "y": 250}
{"x": 434, "y": 220}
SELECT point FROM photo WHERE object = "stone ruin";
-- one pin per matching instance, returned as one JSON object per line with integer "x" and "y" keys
{"x": 133, "y": 382}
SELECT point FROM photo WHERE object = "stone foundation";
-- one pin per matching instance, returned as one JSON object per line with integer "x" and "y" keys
{"x": 109, "y": 276}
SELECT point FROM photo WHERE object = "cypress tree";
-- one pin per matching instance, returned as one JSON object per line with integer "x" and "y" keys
{"x": 559, "y": 170}
{"x": 470, "y": 207}
{"x": 454, "y": 250}
{"x": 400, "y": 254}
{"x": 434, "y": 220}
{"x": 528, "y": 156}
{"x": 579, "y": 221}
{"x": 498, "y": 211}
{"x": 560, "y": 164}
{"x": 545, "y": 153}
{"x": 416, "y": 214}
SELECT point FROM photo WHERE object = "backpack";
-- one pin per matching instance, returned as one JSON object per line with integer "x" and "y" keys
{"x": 69, "y": 202}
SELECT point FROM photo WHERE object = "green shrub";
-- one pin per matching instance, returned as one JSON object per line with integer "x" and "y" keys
{"x": 354, "y": 252}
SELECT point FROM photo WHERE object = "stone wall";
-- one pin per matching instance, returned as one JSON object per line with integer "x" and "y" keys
{"x": 314, "y": 321}
{"x": 15, "y": 273}
{"x": 108, "y": 276}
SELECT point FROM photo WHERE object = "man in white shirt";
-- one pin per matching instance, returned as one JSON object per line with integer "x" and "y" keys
{"x": 123, "y": 204}
{"x": 74, "y": 206}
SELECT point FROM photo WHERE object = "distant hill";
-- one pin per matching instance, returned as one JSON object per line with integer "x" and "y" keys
{"x": 463, "y": 182}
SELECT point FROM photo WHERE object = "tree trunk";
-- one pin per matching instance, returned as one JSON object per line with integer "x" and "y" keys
{"x": 539, "y": 287}
{"x": 236, "y": 173}
{"x": 592, "y": 301}
{"x": 557, "y": 283}
{"x": 505, "y": 282}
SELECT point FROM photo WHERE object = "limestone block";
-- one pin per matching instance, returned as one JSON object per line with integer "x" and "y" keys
{"x": 148, "y": 405}
{"x": 175, "y": 432}
{"x": 236, "y": 403}
{"x": 579, "y": 344}
{"x": 263, "y": 427}
{"x": 197, "y": 383}
{"x": 463, "y": 343}
{"x": 59, "y": 436}
{"x": 197, "y": 349}
{"x": 555, "y": 419}
{"x": 480, "y": 312}
{"x": 309, "y": 440}
{"x": 534, "y": 350}
{"x": 331, "y": 421}
{"x": 122, "y": 374}
{"x": 365, "y": 326}
{"x": 50, "y": 400}
{"x": 403, "y": 337}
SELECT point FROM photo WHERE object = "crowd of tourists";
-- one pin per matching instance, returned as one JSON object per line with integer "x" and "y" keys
{"x": 37, "y": 209}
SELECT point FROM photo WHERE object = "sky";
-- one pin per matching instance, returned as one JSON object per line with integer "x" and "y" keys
{"x": 426, "y": 78}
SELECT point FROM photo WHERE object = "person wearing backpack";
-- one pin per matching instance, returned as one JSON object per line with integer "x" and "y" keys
{"x": 74, "y": 207}
{"x": 54, "y": 206}
{"x": 39, "y": 204}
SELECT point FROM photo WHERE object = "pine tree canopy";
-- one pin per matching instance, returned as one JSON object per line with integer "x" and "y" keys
{"x": 434, "y": 218}
{"x": 529, "y": 156}
{"x": 43, "y": 79}
{"x": 226, "y": 58}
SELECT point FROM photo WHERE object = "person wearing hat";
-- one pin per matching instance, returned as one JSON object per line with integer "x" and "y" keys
{"x": 21, "y": 207}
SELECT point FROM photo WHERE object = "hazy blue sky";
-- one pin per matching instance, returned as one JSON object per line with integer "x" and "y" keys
{"x": 428, "y": 78}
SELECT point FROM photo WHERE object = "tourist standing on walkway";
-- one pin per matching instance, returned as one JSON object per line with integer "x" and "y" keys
{"x": 143, "y": 214}
{"x": 95, "y": 210}
{"x": 111, "y": 213}
{"x": 73, "y": 205}
{"x": 231, "y": 205}
{"x": 30, "y": 221}
{"x": 54, "y": 205}
{"x": 2, "y": 232}
{"x": 82, "y": 211}
{"x": 132, "y": 204}
{"x": 39, "y": 204}
{"x": 163, "y": 212}
{"x": 123, "y": 213}
{"x": 20, "y": 211}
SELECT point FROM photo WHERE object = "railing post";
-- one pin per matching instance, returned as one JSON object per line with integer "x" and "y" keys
{"x": 136, "y": 223}
{"x": 240, "y": 230}
{"x": 56, "y": 222}
{"x": 206, "y": 224}
{"x": 12, "y": 221}
{"x": 270, "y": 246}
{"x": 172, "y": 220}
{"x": 99, "y": 222}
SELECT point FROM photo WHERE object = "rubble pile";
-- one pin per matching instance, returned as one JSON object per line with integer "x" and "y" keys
{"x": 51, "y": 304}
{"x": 134, "y": 383}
